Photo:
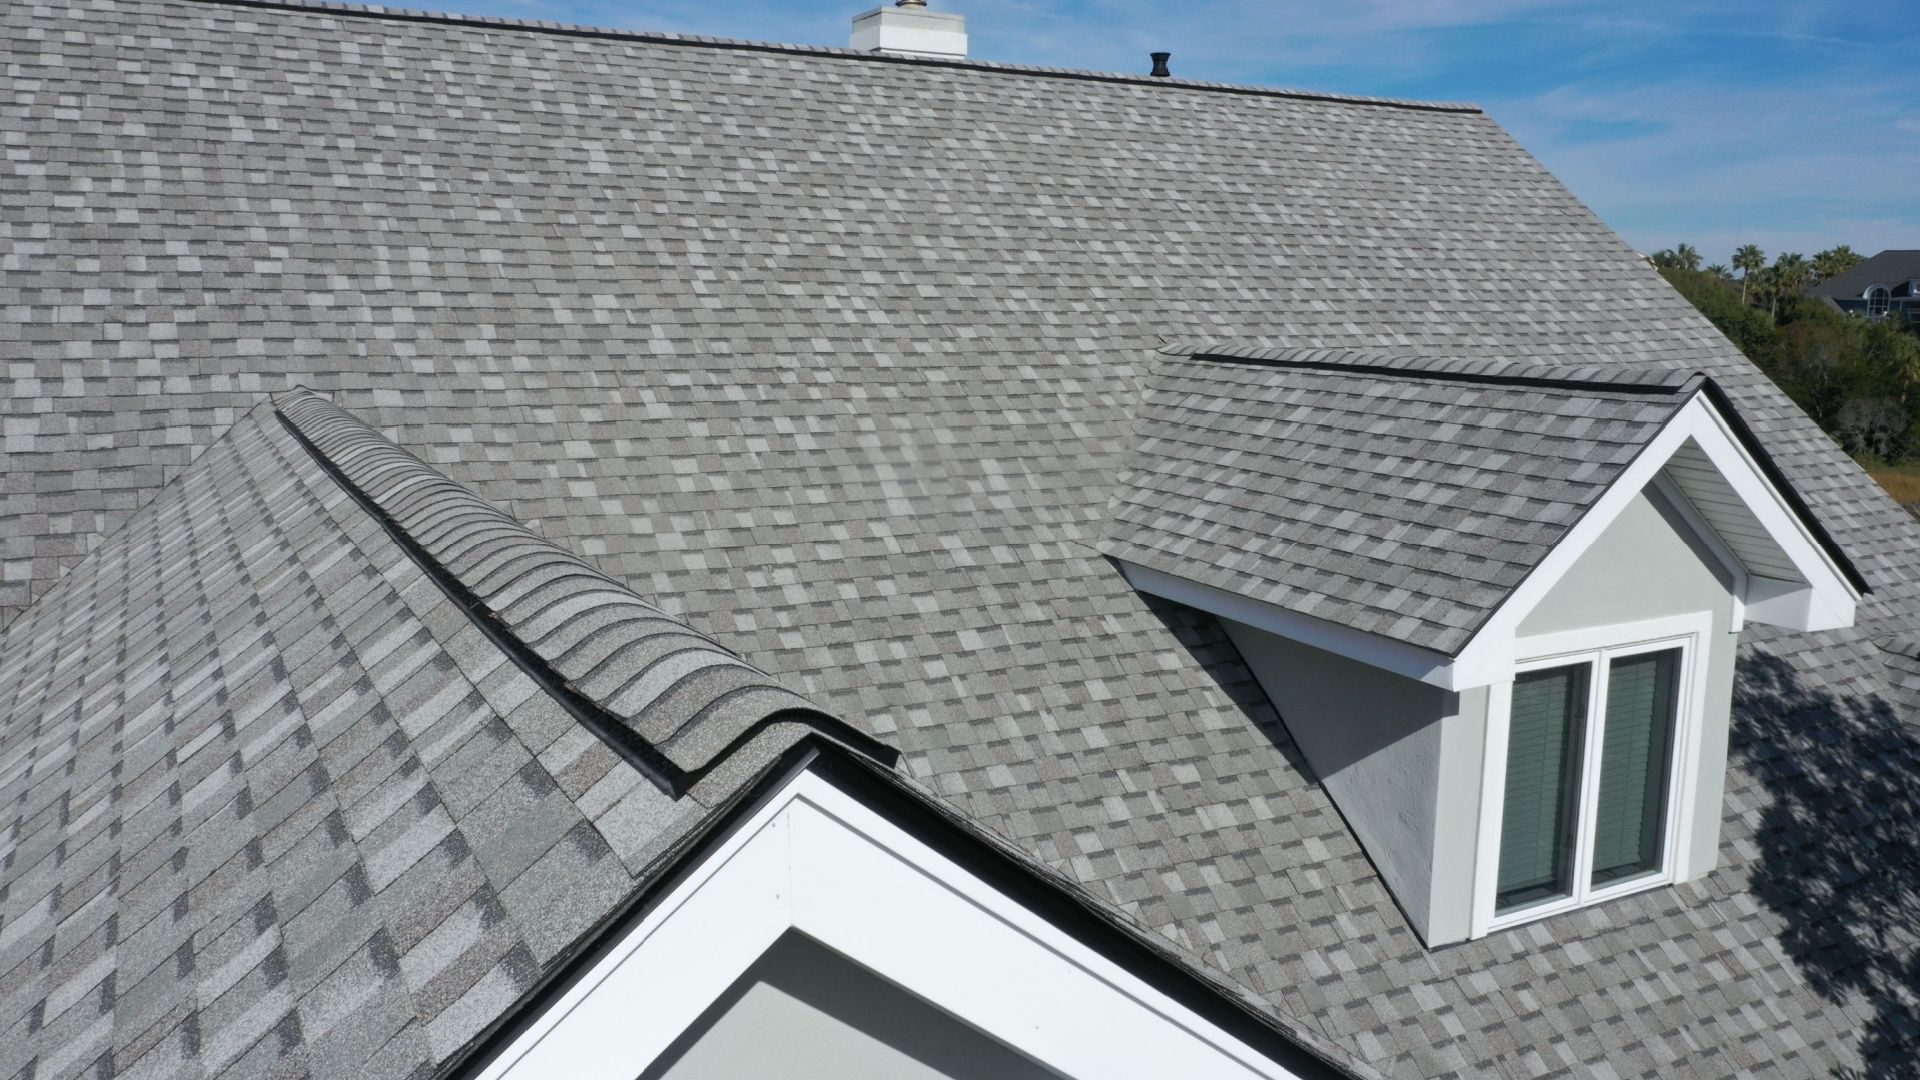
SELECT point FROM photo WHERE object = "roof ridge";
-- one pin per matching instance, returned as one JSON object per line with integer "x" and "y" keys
{"x": 670, "y": 699}
{"x": 1624, "y": 378}
{"x": 488, "y": 22}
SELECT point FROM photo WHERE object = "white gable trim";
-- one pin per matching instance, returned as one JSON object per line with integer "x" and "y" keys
{"x": 1824, "y": 600}
{"x": 1826, "y": 597}
{"x": 817, "y": 860}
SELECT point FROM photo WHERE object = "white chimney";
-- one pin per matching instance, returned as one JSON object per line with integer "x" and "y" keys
{"x": 909, "y": 29}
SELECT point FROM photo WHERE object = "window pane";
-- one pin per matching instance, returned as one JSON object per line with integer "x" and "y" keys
{"x": 1630, "y": 827}
{"x": 1543, "y": 786}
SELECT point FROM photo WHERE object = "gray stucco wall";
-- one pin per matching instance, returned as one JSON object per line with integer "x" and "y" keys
{"x": 1390, "y": 751}
{"x": 803, "y": 1012}
{"x": 1648, "y": 564}
{"x": 1404, "y": 761}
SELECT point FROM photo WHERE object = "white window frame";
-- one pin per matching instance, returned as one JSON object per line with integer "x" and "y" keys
{"x": 1598, "y": 646}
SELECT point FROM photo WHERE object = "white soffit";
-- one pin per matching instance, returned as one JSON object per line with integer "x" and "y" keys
{"x": 1720, "y": 505}
{"x": 817, "y": 860}
{"x": 1789, "y": 578}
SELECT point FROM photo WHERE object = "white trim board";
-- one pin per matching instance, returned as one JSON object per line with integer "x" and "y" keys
{"x": 1385, "y": 653}
{"x": 1823, "y": 600}
{"x": 817, "y": 860}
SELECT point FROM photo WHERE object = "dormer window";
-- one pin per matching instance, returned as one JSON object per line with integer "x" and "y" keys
{"x": 1584, "y": 808}
{"x": 1879, "y": 299}
{"x": 1496, "y": 607}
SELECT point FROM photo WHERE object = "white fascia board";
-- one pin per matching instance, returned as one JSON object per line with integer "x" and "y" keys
{"x": 1833, "y": 598}
{"x": 1398, "y": 657}
{"x": 815, "y": 859}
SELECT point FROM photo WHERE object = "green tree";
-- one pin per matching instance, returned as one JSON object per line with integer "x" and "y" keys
{"x": 1749, "y": 260}
{"x": 1720, "y": 271}
{"x": 1683, "y": 257}
{"x": 1786, "y": 281}
{"x": 1748, "y": 328}
{"x": 1834, "y": 261}
{"x": 1859, "y": 379}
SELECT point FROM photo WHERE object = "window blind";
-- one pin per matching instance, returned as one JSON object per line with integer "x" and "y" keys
{"x": 1546, "y": 732}
{"x": 1629, "y": 828}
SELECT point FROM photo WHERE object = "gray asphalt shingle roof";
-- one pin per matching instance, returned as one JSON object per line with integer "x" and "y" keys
{"x": 673, "y": 698}
{"x": 1395, "y": 497}
{"x": 274, "y": 806}
{"x": 836, "y": 361}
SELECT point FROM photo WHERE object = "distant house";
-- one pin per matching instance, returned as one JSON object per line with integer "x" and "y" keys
{"x": 1888, "y": 282}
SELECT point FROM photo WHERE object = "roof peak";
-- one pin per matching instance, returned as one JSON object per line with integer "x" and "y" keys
{"x": 532, "y": 26}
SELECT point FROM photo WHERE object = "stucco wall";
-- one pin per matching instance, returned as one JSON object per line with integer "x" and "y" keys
{"x": 1648, "y": 564}
{"x": 803, "y": 1012}
{"x": 1404, "y": 761}
{"x": 1390, "y": 751}
{"x": 1644, "y": 566}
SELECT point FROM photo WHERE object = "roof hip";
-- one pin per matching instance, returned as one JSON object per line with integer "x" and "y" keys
{"x": 669, "y": 699}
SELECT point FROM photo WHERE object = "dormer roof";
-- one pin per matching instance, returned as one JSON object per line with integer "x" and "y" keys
{"x": 1411, "y": 499}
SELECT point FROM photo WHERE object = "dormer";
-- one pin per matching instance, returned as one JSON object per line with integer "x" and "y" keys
{"x": 1496, "y": 606}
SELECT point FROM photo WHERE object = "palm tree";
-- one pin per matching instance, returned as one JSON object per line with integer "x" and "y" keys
{"x": 1749, "y": 260}
{"x": 1835, "y": 260}
{"x": 1686, "y": 257}
{"x": 1720, "y": 271}
{"x": 1789, "y": 275}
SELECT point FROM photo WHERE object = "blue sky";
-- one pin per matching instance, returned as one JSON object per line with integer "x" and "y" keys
{"x": 1791, "y": 125}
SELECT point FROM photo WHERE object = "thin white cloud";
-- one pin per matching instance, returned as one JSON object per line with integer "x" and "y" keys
{"x": 1781, "y": 166}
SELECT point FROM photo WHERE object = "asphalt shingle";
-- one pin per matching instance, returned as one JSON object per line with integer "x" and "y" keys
{"x": 245, "y": 843}
{"x": 836, "y": 360}
{"x": 1405, "y": 499}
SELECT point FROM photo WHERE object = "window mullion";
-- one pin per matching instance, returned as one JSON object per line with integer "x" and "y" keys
{"x": 1590, "y": 778}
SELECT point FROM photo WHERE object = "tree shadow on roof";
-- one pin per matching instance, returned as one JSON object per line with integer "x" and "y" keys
{"x": 1838, "y": 848}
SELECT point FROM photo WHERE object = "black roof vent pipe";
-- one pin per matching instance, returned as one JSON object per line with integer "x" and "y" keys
{"x": 1160, "y": 65}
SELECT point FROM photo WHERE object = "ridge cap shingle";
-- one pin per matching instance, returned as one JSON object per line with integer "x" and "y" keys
{"x": 674, "y": 714}
{"x": 655, "y": 37}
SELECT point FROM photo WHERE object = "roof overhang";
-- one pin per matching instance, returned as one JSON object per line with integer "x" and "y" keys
{"x": 1787, "y": 572}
